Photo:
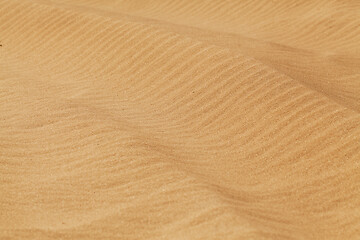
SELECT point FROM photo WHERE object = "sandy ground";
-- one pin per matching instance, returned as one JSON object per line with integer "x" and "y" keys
{"x": 179, "y": 119}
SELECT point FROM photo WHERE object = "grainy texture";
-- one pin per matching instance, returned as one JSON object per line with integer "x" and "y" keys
{"x": 179, "y": 119}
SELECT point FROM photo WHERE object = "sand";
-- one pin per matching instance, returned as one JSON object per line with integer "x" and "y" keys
{"x": 171, "y": 119}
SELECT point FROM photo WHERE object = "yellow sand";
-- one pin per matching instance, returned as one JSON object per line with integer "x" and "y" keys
{"x": 179, "y": 119}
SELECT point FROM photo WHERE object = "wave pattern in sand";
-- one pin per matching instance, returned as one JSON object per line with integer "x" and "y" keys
{"x": 179, "y": 119}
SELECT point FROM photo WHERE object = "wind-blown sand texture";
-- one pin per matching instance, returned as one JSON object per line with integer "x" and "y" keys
{"x": 179, "y": 119}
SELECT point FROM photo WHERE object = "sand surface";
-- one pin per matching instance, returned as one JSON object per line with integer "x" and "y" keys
{"x": 179, "y": 119}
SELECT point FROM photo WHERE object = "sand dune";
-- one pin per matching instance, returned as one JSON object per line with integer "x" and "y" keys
{"x": 179, "y": 119}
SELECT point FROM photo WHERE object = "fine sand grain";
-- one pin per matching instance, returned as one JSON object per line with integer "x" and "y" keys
{"x": 179, "y": 119}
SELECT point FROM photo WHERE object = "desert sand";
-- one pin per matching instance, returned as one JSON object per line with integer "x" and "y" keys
{"x": 179, "y": 119}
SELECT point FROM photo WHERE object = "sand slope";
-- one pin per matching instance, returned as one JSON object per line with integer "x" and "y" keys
{"x": 179, "y": 119}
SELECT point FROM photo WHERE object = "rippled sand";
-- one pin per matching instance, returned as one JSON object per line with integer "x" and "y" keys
{"x": 179, "y": 119}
